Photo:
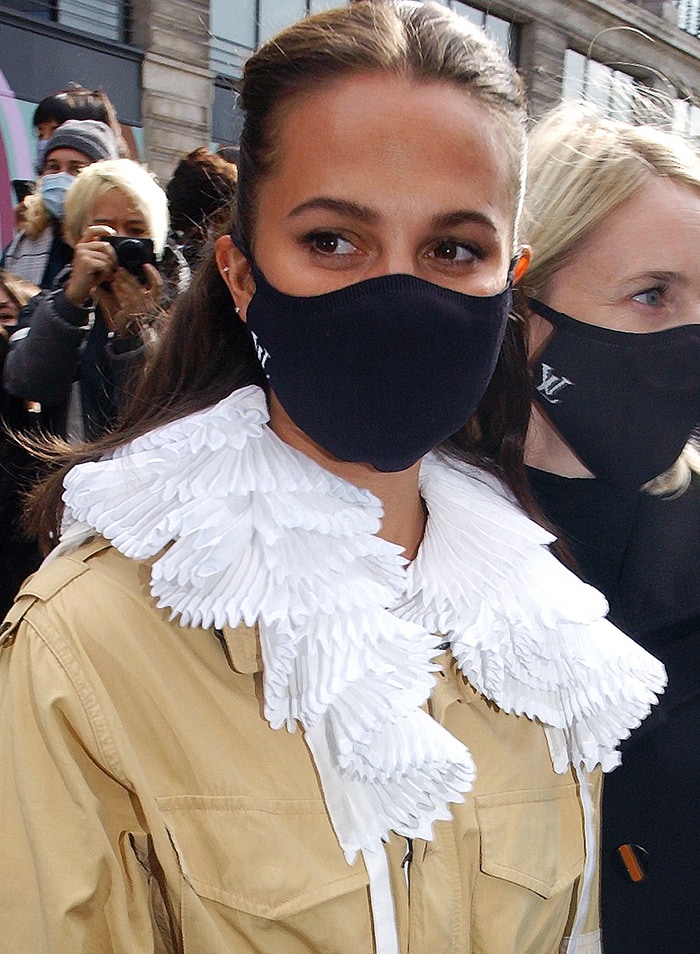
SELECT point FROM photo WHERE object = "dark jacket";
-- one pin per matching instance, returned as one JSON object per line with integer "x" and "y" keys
{"x": 58, "y": 345}
{"x": 643, "y": 552}
{"x": 19, "y": 556}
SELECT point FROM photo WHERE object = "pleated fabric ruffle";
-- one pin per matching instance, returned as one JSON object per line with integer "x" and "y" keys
{"x": 246, "y": 529}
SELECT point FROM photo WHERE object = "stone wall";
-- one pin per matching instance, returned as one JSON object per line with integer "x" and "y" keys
{"x": 177, "y": 84}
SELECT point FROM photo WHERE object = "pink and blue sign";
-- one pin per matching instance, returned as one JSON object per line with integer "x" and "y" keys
{"x": 17, "y": 151}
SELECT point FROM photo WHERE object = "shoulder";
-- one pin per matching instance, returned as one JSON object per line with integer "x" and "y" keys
{"x": 83, "y": 592}
{"x": 12, "y": 248}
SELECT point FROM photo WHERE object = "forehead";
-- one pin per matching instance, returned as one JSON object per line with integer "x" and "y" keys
{"x": 67, "y": 155}
{"x": 393, "y": 140}
{"x": 115, "y": 202}
{"x": 658, "y": 223}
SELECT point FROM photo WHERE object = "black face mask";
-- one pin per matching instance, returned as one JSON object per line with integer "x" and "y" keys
{"x": 626, "y": 403}
{"x": 380, "y": 371}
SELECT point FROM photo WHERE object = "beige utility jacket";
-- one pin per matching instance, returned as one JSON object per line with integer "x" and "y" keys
{"x": 147, "y": 806}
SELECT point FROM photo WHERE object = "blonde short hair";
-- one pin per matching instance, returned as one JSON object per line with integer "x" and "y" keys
{"x": 19, "y": 289}
{"x": 129, "y": 177}
{"x": 582, "y": 165}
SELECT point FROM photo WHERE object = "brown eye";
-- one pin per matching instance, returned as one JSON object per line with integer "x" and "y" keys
{"x": 326, "y": 243}
{"x": 330, "y": 243}
{"x": 447, "y": 250}
{"x": 452, "y": 251}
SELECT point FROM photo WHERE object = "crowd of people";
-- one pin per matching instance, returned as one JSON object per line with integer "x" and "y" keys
{"x": 385, "y": 432}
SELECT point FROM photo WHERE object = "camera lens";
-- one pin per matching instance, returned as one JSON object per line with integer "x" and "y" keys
{"x": 131, "y": 252}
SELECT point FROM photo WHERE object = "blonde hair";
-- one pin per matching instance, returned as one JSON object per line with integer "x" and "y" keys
{"x": 19, "y": 289}
{"x": 582, "y": 165}
{"x": 95, "y": 180}
{"x": 36, "y": 216}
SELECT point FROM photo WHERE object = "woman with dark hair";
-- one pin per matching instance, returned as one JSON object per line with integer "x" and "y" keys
{"x": 313, "y": 513}
{"x": 200, "y": 193}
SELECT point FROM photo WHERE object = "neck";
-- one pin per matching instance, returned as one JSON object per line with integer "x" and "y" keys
{"x": 546, "y": 450}
{"x": 404, "y": 517}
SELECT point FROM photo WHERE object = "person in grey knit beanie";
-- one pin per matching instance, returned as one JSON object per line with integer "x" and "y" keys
{"x": 88, "y": 136}
{"x": 38, "y": 252}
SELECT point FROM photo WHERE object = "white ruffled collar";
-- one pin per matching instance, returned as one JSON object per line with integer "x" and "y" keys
{"x": 259, "y": 533}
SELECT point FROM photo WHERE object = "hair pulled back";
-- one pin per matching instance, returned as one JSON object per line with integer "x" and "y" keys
{"x": 420, "y": 41}
{"x": 205, "y": 352}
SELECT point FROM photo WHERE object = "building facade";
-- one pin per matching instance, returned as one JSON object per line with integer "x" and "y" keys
{"x": 171, "y": 66}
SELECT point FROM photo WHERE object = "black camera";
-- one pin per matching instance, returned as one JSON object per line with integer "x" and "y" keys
{"x": 132, "y": 253}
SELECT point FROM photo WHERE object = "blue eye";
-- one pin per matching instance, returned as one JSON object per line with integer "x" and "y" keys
{"x": 651, "y": 296}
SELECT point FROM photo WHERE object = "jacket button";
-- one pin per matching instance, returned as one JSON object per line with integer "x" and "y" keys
{"x": 631, "y": 863}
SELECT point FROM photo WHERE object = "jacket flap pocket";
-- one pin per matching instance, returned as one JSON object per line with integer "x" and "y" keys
{"x": 271, "y": 858}
{"x": 534, "y": 839}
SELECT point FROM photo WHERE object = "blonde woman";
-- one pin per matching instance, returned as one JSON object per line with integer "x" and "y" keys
{"x": 613, "y": 308}
{"x": 80, "y": 344}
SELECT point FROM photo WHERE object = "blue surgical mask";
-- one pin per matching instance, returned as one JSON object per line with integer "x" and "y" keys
{"x": 53, "y": 192}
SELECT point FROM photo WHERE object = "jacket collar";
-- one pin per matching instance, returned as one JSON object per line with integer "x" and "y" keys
{"x": 260, "y": 535}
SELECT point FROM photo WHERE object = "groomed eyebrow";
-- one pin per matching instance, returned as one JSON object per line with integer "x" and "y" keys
{"x": 362, "y": 213}
{"x": 326, "y": 203}
{"x": 656, "y": 276}
{"x": 452, "y": 220}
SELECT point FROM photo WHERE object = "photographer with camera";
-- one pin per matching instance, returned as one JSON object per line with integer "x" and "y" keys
{"x": 77, "y": 347}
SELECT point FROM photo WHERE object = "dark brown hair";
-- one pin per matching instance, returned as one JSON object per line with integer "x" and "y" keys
{"x": 201, "y": 187}
{"x": 77, "y": 102}
{"x": 206, "y": 352}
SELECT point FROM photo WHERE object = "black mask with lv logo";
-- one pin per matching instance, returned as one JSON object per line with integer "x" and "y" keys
{"x": 626, "y": 403}
{"x": 380, "y": 371}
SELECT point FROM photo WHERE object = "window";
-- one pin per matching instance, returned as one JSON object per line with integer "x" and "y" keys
{"x": 504, "y": 32}
{"x": 689, "y": 16}
{"x": 686, "y": 119}
{"x": 238, "y": 27}
{"x": 233, "y": 27}
{"x": 277, "y": 15}
{"x": 104, "y": 18}
{"x": 623, "y": 97}
{"x": 610, "y": 89}
{"x": 318, "y": 6}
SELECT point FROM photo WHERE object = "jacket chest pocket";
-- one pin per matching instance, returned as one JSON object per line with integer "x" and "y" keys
{"x": 265, "y": 876}
{"x": 534, "y": 839}
{"x": 532, "y": 855}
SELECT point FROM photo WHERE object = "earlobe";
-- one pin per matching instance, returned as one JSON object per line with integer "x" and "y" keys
{"x": 522, "y": 264}
{"x": 236, "y": 272}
